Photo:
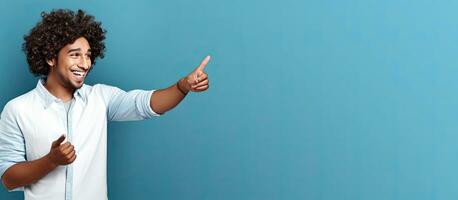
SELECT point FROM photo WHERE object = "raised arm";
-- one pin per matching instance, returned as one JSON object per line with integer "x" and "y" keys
{"x": 165, "y": 99}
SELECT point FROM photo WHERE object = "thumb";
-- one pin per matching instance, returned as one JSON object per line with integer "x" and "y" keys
{"x": 58, "y": 141}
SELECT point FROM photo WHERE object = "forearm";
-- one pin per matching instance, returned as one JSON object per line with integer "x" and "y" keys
{"x": 165, "y": 99}
{"x": 26, "y": 173}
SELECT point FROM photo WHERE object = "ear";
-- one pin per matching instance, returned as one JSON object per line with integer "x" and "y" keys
{"x": 52, "y": 62}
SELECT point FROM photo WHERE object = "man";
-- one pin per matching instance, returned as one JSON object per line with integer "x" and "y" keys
{"x": 53, "y": 138}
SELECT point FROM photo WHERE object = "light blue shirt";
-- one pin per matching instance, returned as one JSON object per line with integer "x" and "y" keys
{"x": 31, "y": 122}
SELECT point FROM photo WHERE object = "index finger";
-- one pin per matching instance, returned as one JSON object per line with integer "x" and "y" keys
{"x": 203, "y": 63}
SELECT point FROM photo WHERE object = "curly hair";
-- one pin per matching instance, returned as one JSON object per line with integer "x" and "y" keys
{"x": 57, "y": 29}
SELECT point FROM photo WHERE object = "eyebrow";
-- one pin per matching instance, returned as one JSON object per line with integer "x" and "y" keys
{"x": 77, "y": 49}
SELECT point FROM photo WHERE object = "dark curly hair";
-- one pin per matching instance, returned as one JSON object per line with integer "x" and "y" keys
{"x": 57, "y": 29}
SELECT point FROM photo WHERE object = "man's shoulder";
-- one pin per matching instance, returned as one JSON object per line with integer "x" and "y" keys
{"x": 96, "y": 88}
{"x": 22, "y": 101}
{"x": 100, "y": 88}
{"x": 100, "y": 91}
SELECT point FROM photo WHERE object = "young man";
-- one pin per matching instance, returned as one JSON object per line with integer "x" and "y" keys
{"x": 53, "y": 139}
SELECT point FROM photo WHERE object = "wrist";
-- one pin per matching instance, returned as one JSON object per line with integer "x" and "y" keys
{"x": 181, "y": 87}
{"x": 50, "y": 162}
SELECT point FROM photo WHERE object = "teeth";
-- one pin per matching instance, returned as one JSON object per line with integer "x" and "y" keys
{"x": 76, "y": 73}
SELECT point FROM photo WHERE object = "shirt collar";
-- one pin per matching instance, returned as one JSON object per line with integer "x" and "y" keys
{"x": 48, "y": 98}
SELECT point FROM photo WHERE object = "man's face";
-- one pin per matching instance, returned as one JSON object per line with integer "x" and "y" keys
{"x": 73, "y": 64}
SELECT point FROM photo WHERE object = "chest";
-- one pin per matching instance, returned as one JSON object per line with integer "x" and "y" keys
{"x": 83, "y": 122}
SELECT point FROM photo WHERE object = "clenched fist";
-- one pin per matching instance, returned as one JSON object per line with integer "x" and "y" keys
{"x": 62, "y": 154}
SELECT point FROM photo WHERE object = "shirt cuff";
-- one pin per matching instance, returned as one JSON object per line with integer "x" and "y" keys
{"x": 147, "y": 105}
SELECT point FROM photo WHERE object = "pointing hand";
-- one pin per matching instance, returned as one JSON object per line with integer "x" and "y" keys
{"x": 196, "y": 81}
{"x": 62, "y": 154}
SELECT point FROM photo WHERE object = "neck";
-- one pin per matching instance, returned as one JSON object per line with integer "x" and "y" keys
{"x": 58, "y": 90}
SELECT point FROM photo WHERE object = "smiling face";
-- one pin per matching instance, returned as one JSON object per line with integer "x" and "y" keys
{"x": 72, "y": 64}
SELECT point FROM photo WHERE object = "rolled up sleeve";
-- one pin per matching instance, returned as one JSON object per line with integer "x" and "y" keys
{"x": 127, "y": 106}
{"x": 12, "y": 145}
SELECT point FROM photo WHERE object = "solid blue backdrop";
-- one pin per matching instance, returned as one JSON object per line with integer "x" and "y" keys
{"x": 309, "y": 99}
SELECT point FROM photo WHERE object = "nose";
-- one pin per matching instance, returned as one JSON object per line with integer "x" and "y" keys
{"x": 85, "y": 63}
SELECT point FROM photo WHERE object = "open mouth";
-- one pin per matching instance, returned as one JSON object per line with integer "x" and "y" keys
{"x": 79, "y": 74}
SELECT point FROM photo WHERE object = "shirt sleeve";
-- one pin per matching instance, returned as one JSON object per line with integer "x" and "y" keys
{"x": 12, "y": 145}
{"x": 127, "y": 106}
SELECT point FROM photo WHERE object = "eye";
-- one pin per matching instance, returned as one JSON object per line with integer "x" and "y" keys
{"x": 74, "y": 55}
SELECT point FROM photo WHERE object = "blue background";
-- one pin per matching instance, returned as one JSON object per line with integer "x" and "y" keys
{"x": 309, "y": 99}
